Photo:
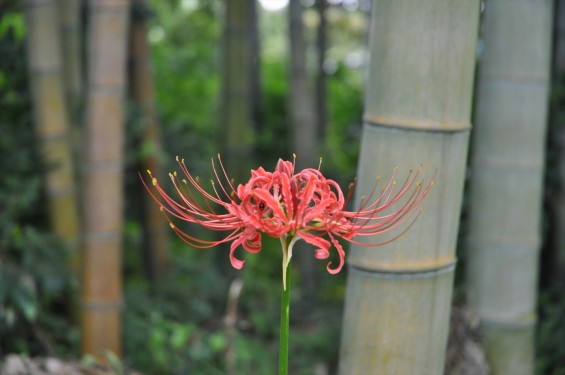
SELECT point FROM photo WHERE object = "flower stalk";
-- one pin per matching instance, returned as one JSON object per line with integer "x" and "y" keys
{"x": 285, "y": 305}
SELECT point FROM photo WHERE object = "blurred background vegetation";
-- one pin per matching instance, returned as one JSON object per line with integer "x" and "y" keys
{"x": 178, "y": 323}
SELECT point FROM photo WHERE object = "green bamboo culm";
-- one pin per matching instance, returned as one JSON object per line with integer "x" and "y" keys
{"x": 285, "y": 309}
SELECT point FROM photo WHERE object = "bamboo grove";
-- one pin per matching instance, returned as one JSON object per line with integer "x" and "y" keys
{"x": 460, "y": 90}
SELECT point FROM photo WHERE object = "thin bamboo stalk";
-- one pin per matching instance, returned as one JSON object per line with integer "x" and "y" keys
{"x": 103, "y": 200}
{"x": 417, "y": 111}
{"x": 71, "y": 35}
{"x": 305, "y": 142}
{"x": 302, "y": 108}
{"x": 321, "y": 86}
{"x": 143, "y": 90}
{"x": 51, "y": 121}
{"x": 505, "y": 193}
{"x": 237, "y": 109}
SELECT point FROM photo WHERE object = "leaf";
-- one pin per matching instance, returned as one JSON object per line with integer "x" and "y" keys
{"x": 26, "y": 301}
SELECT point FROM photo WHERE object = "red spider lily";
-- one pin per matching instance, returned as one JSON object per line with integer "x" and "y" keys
{"x": 286, "y": 205}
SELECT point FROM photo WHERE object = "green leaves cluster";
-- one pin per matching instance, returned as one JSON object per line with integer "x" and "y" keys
{"x": 33, "y": 272}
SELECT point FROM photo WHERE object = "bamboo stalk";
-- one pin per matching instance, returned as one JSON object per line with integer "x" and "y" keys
{"x": 71, "y": 35}
{"x": 417, "y": 110}
{"x": 305, "y": 142}
{"x": 321, "y": 85}
{"x": 103, "y": 200}
{"x": 237, "y": 109}
{"x": 507, "y": 172}
{"x": 302, "y": 108}
{"x": 51, "y": 121}
{"x": 555, "y": 266}
{"x": 156, "y": 229}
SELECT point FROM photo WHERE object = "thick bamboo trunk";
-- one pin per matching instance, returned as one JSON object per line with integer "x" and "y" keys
{"x": 417, "y": 111}
{"x": 555, "y": 268}
{"x": 51, "y": 121}
{"x": 505, "y": 193}
{"x": 71, "y": 35}
{"x": 237, "y": 108}
{"x": 103, "y": 201}
{"x": 143, "y": 91}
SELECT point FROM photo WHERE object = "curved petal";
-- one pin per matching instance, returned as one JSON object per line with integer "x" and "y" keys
{"x": 341, "y": 254}
{"x": 236, "y": 263}
{"x": 323, "y": 246}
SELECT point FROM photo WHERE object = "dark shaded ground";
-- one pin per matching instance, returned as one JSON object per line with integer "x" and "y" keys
{"x": 14, "y": 364}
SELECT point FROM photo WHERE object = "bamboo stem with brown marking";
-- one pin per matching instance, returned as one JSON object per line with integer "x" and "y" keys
{"x": 103, "y": 199}
{"x": 143, "y": 92}
{"x": 51, "y": 121}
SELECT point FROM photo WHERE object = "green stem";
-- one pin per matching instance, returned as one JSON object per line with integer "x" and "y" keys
{"x": 287, "y": 243}
{"x": 285, "y": 315}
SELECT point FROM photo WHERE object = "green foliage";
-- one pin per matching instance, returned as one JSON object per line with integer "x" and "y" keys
{"x": 185, "y": 41}
{"x": 344, "y": 136}
{"x": 33, "y": 269}
{"x": 177, "y": 325}
{"x": 551, "y": 334}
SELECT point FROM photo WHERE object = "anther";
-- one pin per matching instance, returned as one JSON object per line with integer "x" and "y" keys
{"x": 154, "y": 181}
{"x": 172, "y": 225}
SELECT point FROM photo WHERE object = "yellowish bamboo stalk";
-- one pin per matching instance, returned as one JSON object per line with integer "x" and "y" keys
{"x": 505, "y": 193}
{"x": 103, "y": 199}
{"x": 417, "y": 111}
{"x": 51, "y": 121}
{"x": 157, "y": 230}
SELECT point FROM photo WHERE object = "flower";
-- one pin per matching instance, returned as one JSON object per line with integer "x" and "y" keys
{"x": 287, "y": 205}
